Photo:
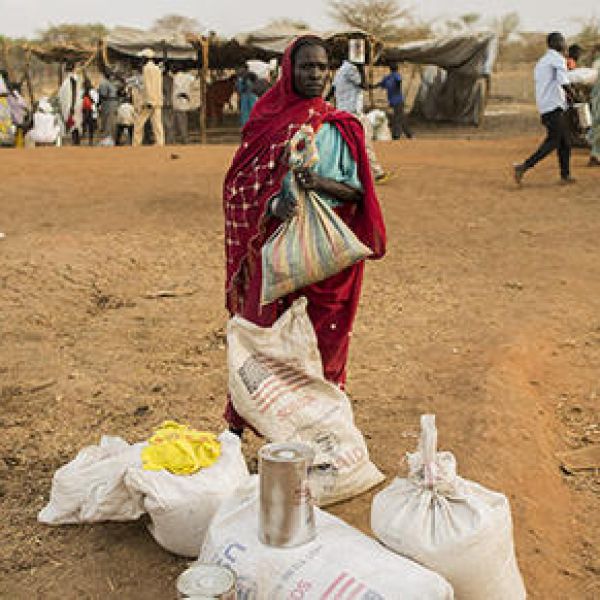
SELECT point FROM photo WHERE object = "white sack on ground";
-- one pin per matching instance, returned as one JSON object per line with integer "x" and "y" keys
{"x": 91, "y": 487}
{"x": 379, "y": 125}
{"x": 453, "y": 526}
{"x": 341, "y": 563}
{"x": 182, "y": 506}
{"x": 276, "y": 383}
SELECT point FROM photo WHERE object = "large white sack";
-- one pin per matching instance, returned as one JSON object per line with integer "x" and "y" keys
{"x": 341, "y": 563}
{"x": 379, "y": 125}
{"x": 583, "y": 76}
{"x": 453, "y": 526}
{"x": 182, "y": 506}
{"x": 276, "y": 383}
{"x": 91, "y": 487}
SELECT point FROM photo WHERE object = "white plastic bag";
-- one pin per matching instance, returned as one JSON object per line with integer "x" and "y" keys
{"x": 379, "y": 125}
{"x": 182, "y": 506}
{"x": 451, "y": 525}
{"x": 91, "y": 487}
{"x": 276, "y": 383}
{"x": 341, "y": 563}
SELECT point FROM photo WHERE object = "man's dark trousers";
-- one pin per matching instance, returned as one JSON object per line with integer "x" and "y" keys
{"x": 558, "y": 138}
{"x": 399, "y": 122}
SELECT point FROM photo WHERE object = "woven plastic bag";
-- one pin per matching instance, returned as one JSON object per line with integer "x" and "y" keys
{"x": 277, "y": 385}
{"x": 341, "y": 563}
{"x": 455, "y": 527}
{"x": 314, "y": 244}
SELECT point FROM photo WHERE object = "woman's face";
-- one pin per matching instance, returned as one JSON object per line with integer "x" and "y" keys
{"x": 311, "y": 68}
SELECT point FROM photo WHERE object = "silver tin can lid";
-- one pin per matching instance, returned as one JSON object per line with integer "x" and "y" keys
{"x": 206, "y": 580}
{"x": 289, "y": 452}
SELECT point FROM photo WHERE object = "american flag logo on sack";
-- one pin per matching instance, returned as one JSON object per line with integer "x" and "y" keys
{"x": 267, "y": 379}
{"x": 346, "y": 587}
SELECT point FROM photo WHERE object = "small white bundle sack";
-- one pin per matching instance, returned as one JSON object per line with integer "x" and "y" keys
{"x": 379, "y": 125}
{"x": 453, "y": 526}
{"x": 340, "y": 563}
{"x": 276, "y": 383}
{"x": 91, "y": 487}
{"x": 182, "y": 506}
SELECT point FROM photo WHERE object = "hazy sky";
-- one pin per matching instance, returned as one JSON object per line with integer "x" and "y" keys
{"x": 25, "y": 17}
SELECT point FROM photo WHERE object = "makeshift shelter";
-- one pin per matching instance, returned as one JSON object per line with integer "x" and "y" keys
{"x": 455, "y": 83}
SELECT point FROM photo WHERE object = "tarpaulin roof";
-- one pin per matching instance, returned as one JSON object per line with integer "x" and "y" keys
{"x": 129, "y": 42}
{"x": 276, "y": 38}
{"x": 470, "y": 54}
{"x": 62, "y": 52}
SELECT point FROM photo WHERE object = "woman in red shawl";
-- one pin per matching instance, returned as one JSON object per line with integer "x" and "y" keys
{"x": 256, "y": 200}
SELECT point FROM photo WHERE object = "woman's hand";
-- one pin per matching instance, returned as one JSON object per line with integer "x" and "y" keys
{"x": 308, "y": 180}
{"x": 284, "y": 208}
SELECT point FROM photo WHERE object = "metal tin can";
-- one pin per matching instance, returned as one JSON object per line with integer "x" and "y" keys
{"x": 286, "y": 506}
{"x": 212, "y": 582}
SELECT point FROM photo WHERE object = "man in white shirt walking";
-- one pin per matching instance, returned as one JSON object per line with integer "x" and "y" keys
{"x": 552, "y": 93}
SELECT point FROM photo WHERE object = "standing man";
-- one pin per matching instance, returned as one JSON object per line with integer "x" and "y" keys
{"x": 182, "y": 102}
{"x": 109, "y": 104}
{"x": 348, "y": 86}
{"x": 168, "y": 115}
{"x": 151, "y": 101}
{"x": 552, "y": 93}
{"x": 70, "y": 98}
{"x": 392, "y": 84}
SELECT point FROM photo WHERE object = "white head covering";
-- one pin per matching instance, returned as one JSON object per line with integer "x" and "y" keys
{"x": 45, "y": 106}
{"x": 147, "y": 53}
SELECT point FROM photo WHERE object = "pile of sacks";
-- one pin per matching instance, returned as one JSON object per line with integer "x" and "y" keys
{"x": 440, "y": 535}
{"x": 110, "y": 482}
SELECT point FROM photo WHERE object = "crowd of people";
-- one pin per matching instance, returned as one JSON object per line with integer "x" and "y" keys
{"x": 152, "y": 105}
{"x": 555, "y": 97}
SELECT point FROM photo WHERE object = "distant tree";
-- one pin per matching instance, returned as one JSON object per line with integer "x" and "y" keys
{"x": 470, "y": 19}
{"x": 507, "y": 24}
{"x": 177, "y": 24}
{"x": 380, "y": 18}
{"x": 73, "y": 33}
{"x": 291, "y": 23}
{"x": 589, "y": 36}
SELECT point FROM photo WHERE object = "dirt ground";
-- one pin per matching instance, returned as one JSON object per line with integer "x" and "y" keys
{"x": 486, "y": 312}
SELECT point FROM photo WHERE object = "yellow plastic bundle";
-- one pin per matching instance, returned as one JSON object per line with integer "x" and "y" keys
{"x": 180, "y": 449}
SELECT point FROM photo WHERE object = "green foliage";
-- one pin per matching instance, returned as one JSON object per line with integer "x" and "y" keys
{"x": 470, "y": 19}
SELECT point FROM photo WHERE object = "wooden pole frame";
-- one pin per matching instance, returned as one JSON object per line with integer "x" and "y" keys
{"x": 203, "y": 67}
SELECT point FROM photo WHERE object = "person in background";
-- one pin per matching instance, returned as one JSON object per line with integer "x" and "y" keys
{"x": 46, "y": 128}
{"x": 594, "y": 134}
{"x": 348, "y": 86}
{"x": 573, "y": 56}
{"x": 18, "y": 110}
{"x": 6, "y": 131}
{"x": 256, "y": 201}
{"x": 151, "y": 101}
{"x": 392, "y": 84}
{"x": 87, "y": 111}
{"x": 108, "y": 92}
{"x": 245, "y": 88}
{"x": 70, "y": 98}
{"x": 182, "y": 101}
{"x": 125, "y": 121}
{"x": 168, "y": 115}
{"x": 552, "y": 94}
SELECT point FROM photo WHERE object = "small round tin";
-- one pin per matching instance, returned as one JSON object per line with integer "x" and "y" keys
{"x": 212, "y": 582}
